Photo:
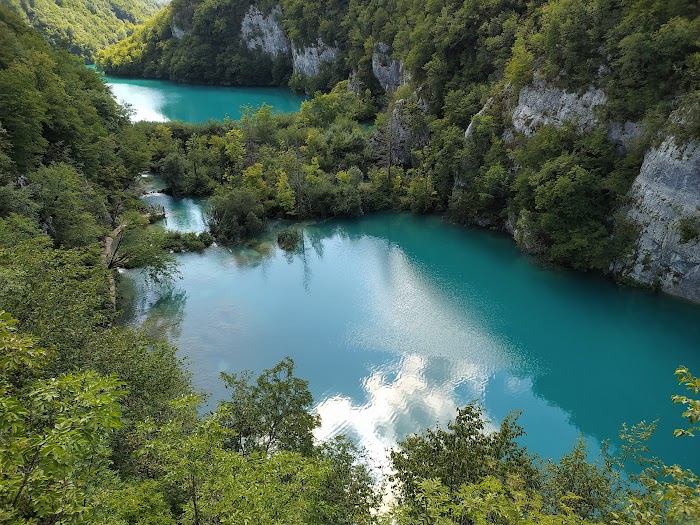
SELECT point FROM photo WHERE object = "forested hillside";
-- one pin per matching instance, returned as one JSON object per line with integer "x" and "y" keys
{"x": 551, "y": 120}
{"x": 98, "y": 424}
{"x": 85, "y": 26}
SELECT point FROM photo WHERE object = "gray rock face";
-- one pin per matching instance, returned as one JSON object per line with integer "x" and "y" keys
{"x": 406, "y": 131}
{"x": 388, "y": 71}
{"x": 181, "y": 22}
{"x": 470, "y": 129}
{"x": 264, "y": 33}
{"x": 624, "y": 134}
{"x": 307, "y": 60}
{"x": 177, "y": 31}
{"x": 666, "y": 190}
{"x": 542, "y": 104}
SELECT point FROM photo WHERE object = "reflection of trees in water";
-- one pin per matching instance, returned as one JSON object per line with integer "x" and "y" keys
{"x": 260, "y": 252}
{"x": 316, "y": 237}
{"x": 253, "y": 255}
{"x": 164, "y": 318}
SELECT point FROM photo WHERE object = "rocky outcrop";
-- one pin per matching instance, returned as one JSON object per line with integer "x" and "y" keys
{"x": 307, "y": 61}
{"x": 666, "y": 192}
{"x": 624, "y": 134}
{"x": 405, "y": 131}
{"x": 542, "y": 104}
{"x": 470, "y": 129}
{"x": 177, "y": 31}
{"x": 388, "y": 71}
{"x": 264, "y": 33}
{"x": 181, "y": 21}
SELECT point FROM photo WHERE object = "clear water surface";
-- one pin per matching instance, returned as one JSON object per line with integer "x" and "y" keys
{"x": 395, "y": 320}
{"x": 162, "y": 100}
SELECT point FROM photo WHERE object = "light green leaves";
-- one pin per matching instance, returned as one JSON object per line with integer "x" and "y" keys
{"x": 692, "y": 411}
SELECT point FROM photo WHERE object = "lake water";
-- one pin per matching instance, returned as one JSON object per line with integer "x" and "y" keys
{"x": 162, "y": 100}
{"x": 395, "y": 320}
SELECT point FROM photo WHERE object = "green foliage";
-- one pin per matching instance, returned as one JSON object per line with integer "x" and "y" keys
{"x": 217, "y": 484}
{"x": 461, "y": 454}
{"x": 689, "y": 229}
{"x": 488, "y": 501}
{"x": 179, "y": 242}
{"x": 289, "y": 239}
{"x": 68, "y": 205}
{"x": 574, "y": 485}
{"x": 565, "y": 191}
{"x": 284, "y": 195}
{"x": 133, "y": 245}
{"x": 36, "y": 281}
{"x": 82, "y": 26}
{"x": 235, "y": 214}
{"x": 272, "y": 414}
{"x": 53, "y": 436}
{"x": 692, "y": 412}
{"x": 348, "y": 495}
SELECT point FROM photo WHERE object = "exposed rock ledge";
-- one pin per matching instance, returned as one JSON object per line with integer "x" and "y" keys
{"x": 542, "y": 104}
{"x": 264, "y": 33}
{"x": 666, "y": 190}
{"x": 388, "y": 71}
{"x": 307, "y": 61}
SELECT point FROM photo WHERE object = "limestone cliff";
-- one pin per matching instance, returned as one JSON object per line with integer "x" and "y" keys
{"x": 264, "y": 33}
{"x": 388, "y": 71}
{"x": 307, "y": 61}
{"x": 405, "y": 131}
{"x": 182, "y": 17}
{"x": 666, "y": 192}
{"x": 542, "y": 104}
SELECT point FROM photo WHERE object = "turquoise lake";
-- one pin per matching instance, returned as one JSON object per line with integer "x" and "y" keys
{"x": 395, "y": 320}
{"x": 161, "y": 100}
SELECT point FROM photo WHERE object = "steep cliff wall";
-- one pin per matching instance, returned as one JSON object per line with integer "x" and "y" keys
{"x": 664, "y": 196}
{"x": 667, "y": 192}
{"x": 264, "y": 33}
{"x": 542, "y": 104}
{"x": 389, "y": 72}
{"x": 307, "y": 61}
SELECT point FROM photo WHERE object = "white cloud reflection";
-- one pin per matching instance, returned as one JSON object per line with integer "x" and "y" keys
{"x": 445, "y": 356}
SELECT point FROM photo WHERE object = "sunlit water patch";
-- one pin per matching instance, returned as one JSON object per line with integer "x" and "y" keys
{"x": 161, "y": 100}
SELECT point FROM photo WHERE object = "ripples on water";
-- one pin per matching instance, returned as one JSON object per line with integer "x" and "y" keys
{"x": 396, "y": 320}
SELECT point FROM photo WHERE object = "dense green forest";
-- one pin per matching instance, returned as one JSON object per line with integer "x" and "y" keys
{"x": 644, "y": 53}
{"x": 85, "y": 26}
{"x": 323, "y": 163}
{"x": 559, "y": 190}
{"x": 99, "y": 424}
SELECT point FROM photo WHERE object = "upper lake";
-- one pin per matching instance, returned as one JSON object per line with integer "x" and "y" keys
{"x": 162, "y": 100}
{"x": 397, "y": 319}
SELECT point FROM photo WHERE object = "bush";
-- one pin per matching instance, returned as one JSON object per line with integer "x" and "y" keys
{"x": 289, "y": 239}
{"x": 689, "y": 229}
{"x": 187, "y": 242}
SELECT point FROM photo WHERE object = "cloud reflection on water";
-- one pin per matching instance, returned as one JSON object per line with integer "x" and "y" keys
{"x": 446, "y": 357}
